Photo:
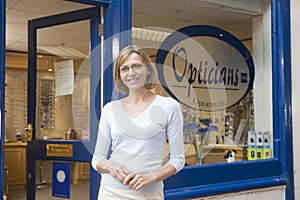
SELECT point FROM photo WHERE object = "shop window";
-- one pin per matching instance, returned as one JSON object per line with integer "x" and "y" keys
{"x": 222, "y": 126}
{"x": 236, "y": 141}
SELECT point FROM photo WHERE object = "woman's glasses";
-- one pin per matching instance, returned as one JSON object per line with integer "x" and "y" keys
{"x": 135, "y": 67}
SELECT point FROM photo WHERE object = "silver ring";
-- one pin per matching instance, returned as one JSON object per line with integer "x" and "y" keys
{"x": 137, "y": 184}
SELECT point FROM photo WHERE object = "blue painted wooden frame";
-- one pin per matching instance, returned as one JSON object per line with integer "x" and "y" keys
{"x": 2, "y": 89}
{"x": 282, "y": 90}
{"x": 117, "y": 26}
{"x": 81, "y": 149}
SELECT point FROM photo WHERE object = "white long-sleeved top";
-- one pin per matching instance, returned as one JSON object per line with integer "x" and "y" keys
{"x": 138, "y": 142}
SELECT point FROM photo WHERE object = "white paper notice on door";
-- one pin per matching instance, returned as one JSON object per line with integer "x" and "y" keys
{"x": 64, "y": 77}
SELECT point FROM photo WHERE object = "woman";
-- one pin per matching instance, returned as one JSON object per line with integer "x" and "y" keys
{"x": 135, "y": 129}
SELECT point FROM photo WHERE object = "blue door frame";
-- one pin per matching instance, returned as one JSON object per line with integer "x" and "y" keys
{"x": 2, "y": 90}
{"x": 282, "y": 89}
{"x": 117, "y": 18}
{"x": 36, "y": 149}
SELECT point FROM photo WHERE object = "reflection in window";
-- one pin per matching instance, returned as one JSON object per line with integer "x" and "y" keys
{"x": 241, "y": 132}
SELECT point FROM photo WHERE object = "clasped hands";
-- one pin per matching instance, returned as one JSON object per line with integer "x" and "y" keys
{"x": 131, "y": 179}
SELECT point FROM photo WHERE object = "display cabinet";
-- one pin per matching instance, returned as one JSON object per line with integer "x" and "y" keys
{"x": 15, "y": 160}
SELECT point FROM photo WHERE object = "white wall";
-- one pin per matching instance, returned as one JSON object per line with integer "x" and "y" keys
{"x": 262, "y": 58}
{"x": 295, "y": 43}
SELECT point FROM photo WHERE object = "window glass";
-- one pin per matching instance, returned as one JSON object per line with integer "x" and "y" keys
{"x": 63, "y": 84}
{"x": 219, "y": 126}
{"x": 58, "y": 91}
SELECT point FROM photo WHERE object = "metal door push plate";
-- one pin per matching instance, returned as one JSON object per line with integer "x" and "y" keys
{"x": 59, "y": 150}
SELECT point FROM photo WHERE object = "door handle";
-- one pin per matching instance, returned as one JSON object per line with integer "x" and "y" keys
{"x": 28, "y": 130}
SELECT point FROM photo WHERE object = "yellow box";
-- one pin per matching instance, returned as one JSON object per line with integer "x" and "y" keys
{"x": 252, "y": 153}
{"x": 259, "y": 153}
{"x": 267, "y": 152}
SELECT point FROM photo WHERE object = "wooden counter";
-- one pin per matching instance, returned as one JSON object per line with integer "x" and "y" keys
{"x": 15, "y": 144}
{"x": 15, "y": 160}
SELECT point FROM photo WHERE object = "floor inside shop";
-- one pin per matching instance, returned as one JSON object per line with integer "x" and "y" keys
{"x": 77, "y": 192}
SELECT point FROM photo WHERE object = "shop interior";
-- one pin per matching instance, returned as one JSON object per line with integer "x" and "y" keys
{"x": 66, "y": 117}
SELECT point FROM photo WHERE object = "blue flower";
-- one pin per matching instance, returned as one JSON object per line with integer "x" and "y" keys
{"x": 191, "y": 127}
{"x": 208, "y": 129}
{"x": 203, "y": 130}
{"x": 213, "y": 128}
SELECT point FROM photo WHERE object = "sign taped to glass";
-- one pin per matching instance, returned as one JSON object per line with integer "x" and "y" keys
{"x": 205, "y": 68}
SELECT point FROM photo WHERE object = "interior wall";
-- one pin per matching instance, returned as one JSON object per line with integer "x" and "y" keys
{"x": 295, "y": 45}
{"x": 262, "y": 59}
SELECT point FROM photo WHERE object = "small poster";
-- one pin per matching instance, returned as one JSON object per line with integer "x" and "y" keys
{"x": 64, "y": 77}
{"x": 61, "y": 179}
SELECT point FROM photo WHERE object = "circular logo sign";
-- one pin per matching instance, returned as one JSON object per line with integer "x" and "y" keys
{"x": 205, "y": 68}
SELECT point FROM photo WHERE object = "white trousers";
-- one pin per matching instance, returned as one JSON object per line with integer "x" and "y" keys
{"x": 107, "y": 193}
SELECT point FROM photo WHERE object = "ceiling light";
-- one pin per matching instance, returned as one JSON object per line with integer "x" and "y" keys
{"x": 152, "y": 34}
{"x": 63, "y": 52}
{"x": 149, "y": 34}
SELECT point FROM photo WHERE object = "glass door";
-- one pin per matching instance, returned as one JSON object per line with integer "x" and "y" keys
{"x": 63, "y": 104}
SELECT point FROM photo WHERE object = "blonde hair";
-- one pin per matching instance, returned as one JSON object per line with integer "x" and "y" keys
{"x": 122, "y": 57}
